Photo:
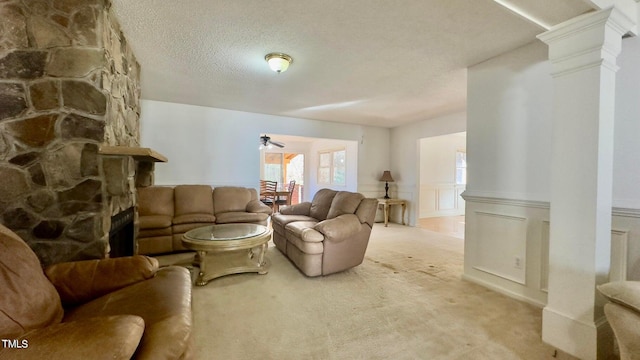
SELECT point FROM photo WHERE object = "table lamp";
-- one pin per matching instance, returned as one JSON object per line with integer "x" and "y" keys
{"x": 386, "y": 177}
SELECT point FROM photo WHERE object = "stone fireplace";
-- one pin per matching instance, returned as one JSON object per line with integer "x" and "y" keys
{"x": 69, "y": 126}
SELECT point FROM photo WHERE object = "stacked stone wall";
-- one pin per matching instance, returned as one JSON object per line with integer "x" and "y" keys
{"x": 68, "y": 84}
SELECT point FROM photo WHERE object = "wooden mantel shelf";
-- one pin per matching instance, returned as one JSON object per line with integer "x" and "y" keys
{"x": 138, "y": 153}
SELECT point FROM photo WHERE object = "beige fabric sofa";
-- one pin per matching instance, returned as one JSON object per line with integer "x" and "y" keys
{"x": 623, "y": 314}
{"x": 166, "y": 213}
{"x": 328, "y": 234}
{"x": 118, "y": 308}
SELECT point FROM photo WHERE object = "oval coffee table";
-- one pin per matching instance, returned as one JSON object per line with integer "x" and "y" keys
{"x": 228, "y": 249}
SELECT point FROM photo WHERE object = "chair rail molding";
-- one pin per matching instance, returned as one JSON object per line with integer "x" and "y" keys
{"x": 626, "y": 212}
{"x": 503, "y": 199}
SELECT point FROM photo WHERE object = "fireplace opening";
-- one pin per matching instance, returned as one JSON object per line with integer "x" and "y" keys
{"x": 121, "y": 234}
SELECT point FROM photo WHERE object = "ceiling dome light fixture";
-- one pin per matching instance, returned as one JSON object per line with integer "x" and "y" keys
{"x": 278, "y": 62}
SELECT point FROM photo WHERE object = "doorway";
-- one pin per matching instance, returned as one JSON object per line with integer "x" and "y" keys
{"x": 443, "y": 175}
{"x": 284, "y": 167}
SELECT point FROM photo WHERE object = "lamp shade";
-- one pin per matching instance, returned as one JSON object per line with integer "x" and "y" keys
{"x": 278, "y": 62}
{"x": 386, "y": 176}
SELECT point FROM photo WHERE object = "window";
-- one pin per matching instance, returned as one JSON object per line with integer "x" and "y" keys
{"x": 332, "y": 167}
{"x": 461, "y": 167}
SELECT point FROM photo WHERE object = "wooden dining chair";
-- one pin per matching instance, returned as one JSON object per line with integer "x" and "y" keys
{"x": 268, "y": 192}
{"x": 287, "y": 200}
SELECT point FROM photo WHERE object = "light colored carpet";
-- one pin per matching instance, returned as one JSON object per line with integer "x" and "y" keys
{"x": 406, "y": 301}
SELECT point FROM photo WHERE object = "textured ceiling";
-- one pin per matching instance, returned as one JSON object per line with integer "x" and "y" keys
{"x": 358, "y": 61}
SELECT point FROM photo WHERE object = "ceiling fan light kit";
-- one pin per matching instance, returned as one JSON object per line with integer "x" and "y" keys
{"x": 278, "y": 62}
{"x": 267, "y": 143}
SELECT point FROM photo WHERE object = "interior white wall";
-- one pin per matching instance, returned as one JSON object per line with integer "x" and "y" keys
{"x": 509, "y": 126}
{"x": 439, "y": 193}
{"x": 405, "y": 152}
{"x": 509, "y": 133}
{"x": 626, "y": 191}
{"x": 510, "y": 103}
{"x": 351, "y": 178}
{"x": 220, "y": 147}
{"x": 626, "y": 171}
{"x": 438, "y": 158}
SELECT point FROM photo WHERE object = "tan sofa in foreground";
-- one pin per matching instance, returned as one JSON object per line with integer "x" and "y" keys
{"x": 327, "y": 235}
{"x": 117, "y": 308}
{"x": 166, "y": 213}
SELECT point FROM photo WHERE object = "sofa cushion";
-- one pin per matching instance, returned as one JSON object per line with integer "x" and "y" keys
{"x": 302, "y": 235}
{"x": 194, "y": 218}
{"x": 107, "y": 337}
{"x": 81, "y": 281}
{"x": 155, "y": 244}
{"x": 285, "y": 219}
{"x": 241, "y": 217}
{"x": 303, "y": 208}
{"x": 154, "y": 221}
{"x": 321, "y": 203}
{"x": 154, "y": 232}
{"x": 304, "y": 230}
{"x": 29, "y": 300}
{"x": 304, "y": 247}
{"x": 155, "y": 200}
{"x": 183, "y": 228}
{"x": 344, "y": 203}
{"x": 164, "y": 302}
{"x": 279, "y": 221}
{"x": 625, "y": 293}
{"x": 231, "y": 199}
{"x": 193, "y": 199}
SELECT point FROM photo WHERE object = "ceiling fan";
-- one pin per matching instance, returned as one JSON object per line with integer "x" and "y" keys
{"x": 266, "y": 142}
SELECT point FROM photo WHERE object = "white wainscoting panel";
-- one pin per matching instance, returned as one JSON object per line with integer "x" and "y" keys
{"x": 428, "y": 201}
{"x": 441, "y": 200}
{"x": 499, "y": 230}
{"x": 502, "y": 245}
{"x": 487, "y": 237}
{"x": 629, "y": 220}
{"x": 619, "y": 255}
{"x": 544, "y": 258}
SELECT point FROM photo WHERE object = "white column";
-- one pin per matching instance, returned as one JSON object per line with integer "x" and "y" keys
{"x": 583, "y": 52}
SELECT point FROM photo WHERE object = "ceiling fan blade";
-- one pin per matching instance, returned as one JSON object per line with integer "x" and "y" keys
{"x": 275, "y": 143}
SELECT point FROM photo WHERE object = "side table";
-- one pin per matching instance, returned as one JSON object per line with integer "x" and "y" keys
{"x": 386, "y": 203}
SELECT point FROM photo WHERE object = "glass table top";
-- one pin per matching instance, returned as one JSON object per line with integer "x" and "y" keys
{"x": 225, "y": 232}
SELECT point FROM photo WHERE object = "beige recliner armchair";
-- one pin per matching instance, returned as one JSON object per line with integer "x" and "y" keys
{"x": 118, "y": 308}
{"x": 327, "y": 235}
{"x": 623, "y": 314}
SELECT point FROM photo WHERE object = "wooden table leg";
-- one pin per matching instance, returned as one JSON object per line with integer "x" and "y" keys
{"x": 404, "y": 207}
{"x": 386, "y": 215}
{"x": 202, "y": 265}
{"x": 261, "y": 260}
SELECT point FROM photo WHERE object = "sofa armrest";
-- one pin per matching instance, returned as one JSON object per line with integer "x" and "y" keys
{"x": 339, "y": 228}
{"x": 80, "y": 281}
{"x": 257, "y": 206}
{"x": 626, "y": 293}
{"x": 303, "y": 208}
{"x": 102, "y": 337}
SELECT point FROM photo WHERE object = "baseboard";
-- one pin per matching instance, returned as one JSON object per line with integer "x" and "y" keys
{"x": 504, "y": 291}
{"x": 588, "y": 341}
